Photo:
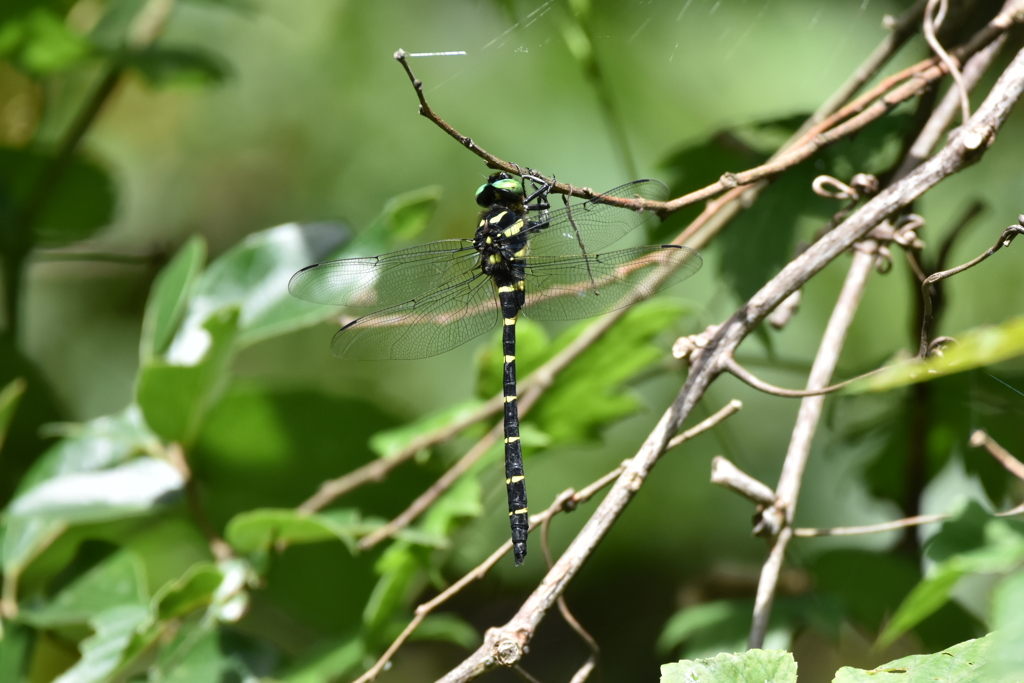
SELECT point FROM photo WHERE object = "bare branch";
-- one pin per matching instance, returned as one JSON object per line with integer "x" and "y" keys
{"x": 980, "y": 438}
{"x": 1004, "y": 240}
{"x": 504, "y": 645}
{"x": 733, "y": 367}
{"x": 730, "y": 409}
{"x": 724, "y": 473}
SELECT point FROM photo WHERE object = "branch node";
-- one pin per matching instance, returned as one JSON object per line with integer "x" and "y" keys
{"x": 726, "y": 474}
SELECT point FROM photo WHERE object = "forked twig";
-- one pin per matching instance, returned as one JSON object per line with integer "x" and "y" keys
{"x": 1005, "y": 239}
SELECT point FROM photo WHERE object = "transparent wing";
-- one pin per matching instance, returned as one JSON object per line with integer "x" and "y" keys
{"x": 436, "y": 322}
{"x": 572, "y": 287}
{"x": 590, "y": 226}
{"x": 386, "y": 279}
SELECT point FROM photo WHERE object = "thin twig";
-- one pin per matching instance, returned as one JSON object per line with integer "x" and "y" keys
{"x": 446, "y": 480}
{"x": 541, "y": 378}
{"x": 788, "y": 490}
{"x": 503, "y": 646}
{"x": 904, "y": 523}
{"x": 566, "y": 501}
{"x": 934, "y": 13}
{"x": 1005, "y": 239}
{"x": 588, "y": 666}
{"x": 728, "y": 410}
{"x": 810, "y": 409}
{"x": 733, "y": 367}
{"x": 981, "y": 439}
{"x": 727, "y": 475}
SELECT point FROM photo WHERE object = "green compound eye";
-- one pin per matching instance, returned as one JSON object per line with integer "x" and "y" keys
{"x": 497, "y": 190}
{"x": 509, "y": 185}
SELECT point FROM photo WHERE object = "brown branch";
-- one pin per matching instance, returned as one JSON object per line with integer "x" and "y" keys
{"x": 1005, "y": 239}
{"x": 788, "y": 490}
{"x": 541, "y": 378}
{"x": 777, "y": 519}
{"x": 566, "y": 501}
{"x": 725, "y": 474}
{"x": 504, "y": 645}
{"x": 446, "y": 480}
{"x": 980, "y": 438}
{"x": 734, "y": 368}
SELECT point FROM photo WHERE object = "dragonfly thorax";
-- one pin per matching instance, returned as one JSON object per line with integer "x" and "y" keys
{"x": 501, "y": 239}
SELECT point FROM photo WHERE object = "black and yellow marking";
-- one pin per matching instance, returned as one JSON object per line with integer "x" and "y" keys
{"x": 433, "y": 297}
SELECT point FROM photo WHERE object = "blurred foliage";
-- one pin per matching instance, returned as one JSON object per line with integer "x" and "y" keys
{"x": 166, "y": 406}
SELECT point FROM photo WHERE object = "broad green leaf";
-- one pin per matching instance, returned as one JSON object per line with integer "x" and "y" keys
{"x": 593, "y": 392}
{"x": 137, "y": 487}
{"x": 999, "y": 549}
{"x": 589, "y": 394}
{"x": 403, "y": 218}
{"x": 169, "y": 298}
{"x": 398, "y": 566}
{"x": 462, "y": 501}
{"x": 327, "y": 663}
{"x": 117, "y": 580}
{"x": 194, "y": 590}
{"x": 9, "y": 397}
{"x": 104, "y": 652}
{"x": 1008, "y": 621}
{"x": 724, "y": 625}
{"x": 176, "y": 393}
{"x": 253, "y": 277}
{"x": 447, "y": 627}
{"x": 98, "y": 444}
{"x": 163, "y": 66}
{"x": 81, "y": 202}
{"x": 258, "y": 530}
{"x": 968, "y": 662}
{"x": 195, "y": 656}
{"x": 41, "y": 42}
{"x": 387, "y": 443}
{"x": 974, "y": 349}
{"x": 24, "y": 539}
{"x": 16, "y": 650}
{"x": 752, "y": 666}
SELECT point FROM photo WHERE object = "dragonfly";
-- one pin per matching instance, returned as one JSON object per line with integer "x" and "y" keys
{"x": 524, "y": 259}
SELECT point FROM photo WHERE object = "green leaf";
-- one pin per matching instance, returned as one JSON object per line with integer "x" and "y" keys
{"x": 974, "y": 349}
{"x": 964, "y": 663}
{"x": 253, "y": 277}
{"x": 169, "y": 298}
{"x": 194, "y": 590}
{"x": 79, "y": 204}
{"x": 1008, "y": 621}
{"x": 403, "y": 218}
{"x": 24, "y": 539}
{"x": 117, "y": 580}
{"x": 327, "y": 663}
{"x": 449, "y": 628}
{"x": 105, "y": 651}
{"x": 163, "y": 66}
{"x": 9, "y": 397}
{"x": 175, "y": 394}
{"x": 258, "y": 530}
{"x": 999, "y": 548}
{"x": 98, "y": 444}
{"x": 16, "y": 650}
{"x": 753, "y": 666}
{"x": 387, "y": 443}
{"x": 195, "y": 655}
{"x": 41, "y": 42}
{"x": 134, "y": 488}
{"x": 592, "y": 392}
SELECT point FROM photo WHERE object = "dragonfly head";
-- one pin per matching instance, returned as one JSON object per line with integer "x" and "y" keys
{"x": 501, "y": 188}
